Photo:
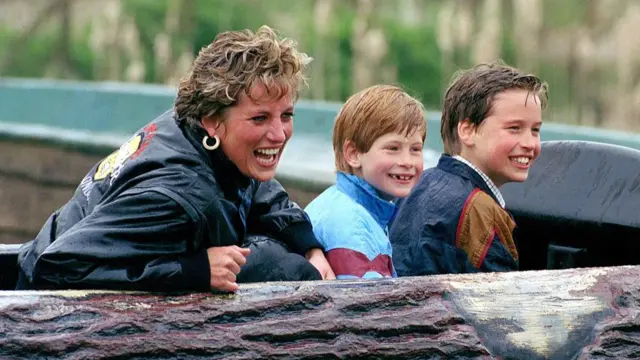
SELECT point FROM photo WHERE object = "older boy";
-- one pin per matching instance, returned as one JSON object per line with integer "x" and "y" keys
{"x": 455, "y": 221}
{"x": 377, "y": 140}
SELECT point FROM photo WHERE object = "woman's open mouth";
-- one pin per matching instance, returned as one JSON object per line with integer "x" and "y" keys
{"x": 267, "y": 157}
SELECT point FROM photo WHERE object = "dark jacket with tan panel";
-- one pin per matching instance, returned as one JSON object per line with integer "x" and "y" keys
{"x": 452, "y": 223}
{"x": 143, "y": 218}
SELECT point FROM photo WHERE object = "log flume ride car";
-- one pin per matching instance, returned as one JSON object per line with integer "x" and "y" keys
{"x": 578, "y": 296}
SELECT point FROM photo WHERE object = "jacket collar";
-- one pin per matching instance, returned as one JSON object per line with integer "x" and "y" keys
{"x": 449, "y": 164}
{"x": 225, "y": 172}
{"x": 487, "y": 180}
{"x": 364, "y": 194}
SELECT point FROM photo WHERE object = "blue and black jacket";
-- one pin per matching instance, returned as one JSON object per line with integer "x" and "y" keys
{"x": 144, "y": 216}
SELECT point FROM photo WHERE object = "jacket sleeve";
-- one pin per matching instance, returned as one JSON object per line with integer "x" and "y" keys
{"x": 498, "y": 258}
{"x": 139, "y": 241}
{"x": 432, "y": 254}
{"x": 273, "y": 213}
{"x": 485, "y": 234}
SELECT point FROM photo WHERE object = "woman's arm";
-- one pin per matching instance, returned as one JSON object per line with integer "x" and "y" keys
{"x": 139, "y": 241}
{"x": 273, "y": 213}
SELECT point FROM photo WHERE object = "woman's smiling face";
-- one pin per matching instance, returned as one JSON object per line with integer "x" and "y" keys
{"x": 254, "y": 131}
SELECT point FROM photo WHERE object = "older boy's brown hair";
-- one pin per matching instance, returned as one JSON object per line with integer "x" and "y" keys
{"x": 371, "y": 113}
{"x": 472, "y": 92}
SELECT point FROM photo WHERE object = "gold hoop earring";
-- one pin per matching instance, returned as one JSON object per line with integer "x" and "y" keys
{"x": 205, "y": 142}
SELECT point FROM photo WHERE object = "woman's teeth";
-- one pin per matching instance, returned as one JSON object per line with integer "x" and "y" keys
{"x": 266, "y": 156}
{"x": 268, "y": 151}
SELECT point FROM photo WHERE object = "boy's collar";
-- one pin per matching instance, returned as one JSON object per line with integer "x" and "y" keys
{"x": 366, "y": 195}
{"x": 486, "y": 181}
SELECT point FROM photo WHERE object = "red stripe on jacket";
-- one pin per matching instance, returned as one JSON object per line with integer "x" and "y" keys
{"x": 350, "y": 262}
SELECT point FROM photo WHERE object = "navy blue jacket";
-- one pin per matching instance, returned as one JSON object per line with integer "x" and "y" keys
{"x": 452, "y": 223}
{"x": 143, "y": 217}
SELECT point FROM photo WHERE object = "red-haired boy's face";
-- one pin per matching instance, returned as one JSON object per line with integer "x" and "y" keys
{"x": 393, "y": 164}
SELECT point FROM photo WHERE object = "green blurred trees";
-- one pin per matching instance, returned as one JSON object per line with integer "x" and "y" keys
{"x": 583, "y": 48}
{"x": 192, "y": 24}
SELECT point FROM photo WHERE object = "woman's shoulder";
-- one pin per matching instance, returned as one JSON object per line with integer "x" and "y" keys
{"x": 191, "y": 190}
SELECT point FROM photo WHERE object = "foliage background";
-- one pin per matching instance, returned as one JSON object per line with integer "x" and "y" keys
{"x": 587, "y": 50}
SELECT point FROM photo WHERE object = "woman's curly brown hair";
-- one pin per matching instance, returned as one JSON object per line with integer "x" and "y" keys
{"x": 235, "y": 61}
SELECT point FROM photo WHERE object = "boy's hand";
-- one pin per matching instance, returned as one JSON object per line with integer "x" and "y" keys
{"x": 316, "y": 258}
{"x": 224, "y": 264}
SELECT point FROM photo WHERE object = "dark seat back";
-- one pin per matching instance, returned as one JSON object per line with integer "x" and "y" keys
{"x": 8, "y": 266}
{"x": 579, "y": 207}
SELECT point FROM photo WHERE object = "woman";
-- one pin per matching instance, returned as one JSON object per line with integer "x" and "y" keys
{"x": 168, "y": 210}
